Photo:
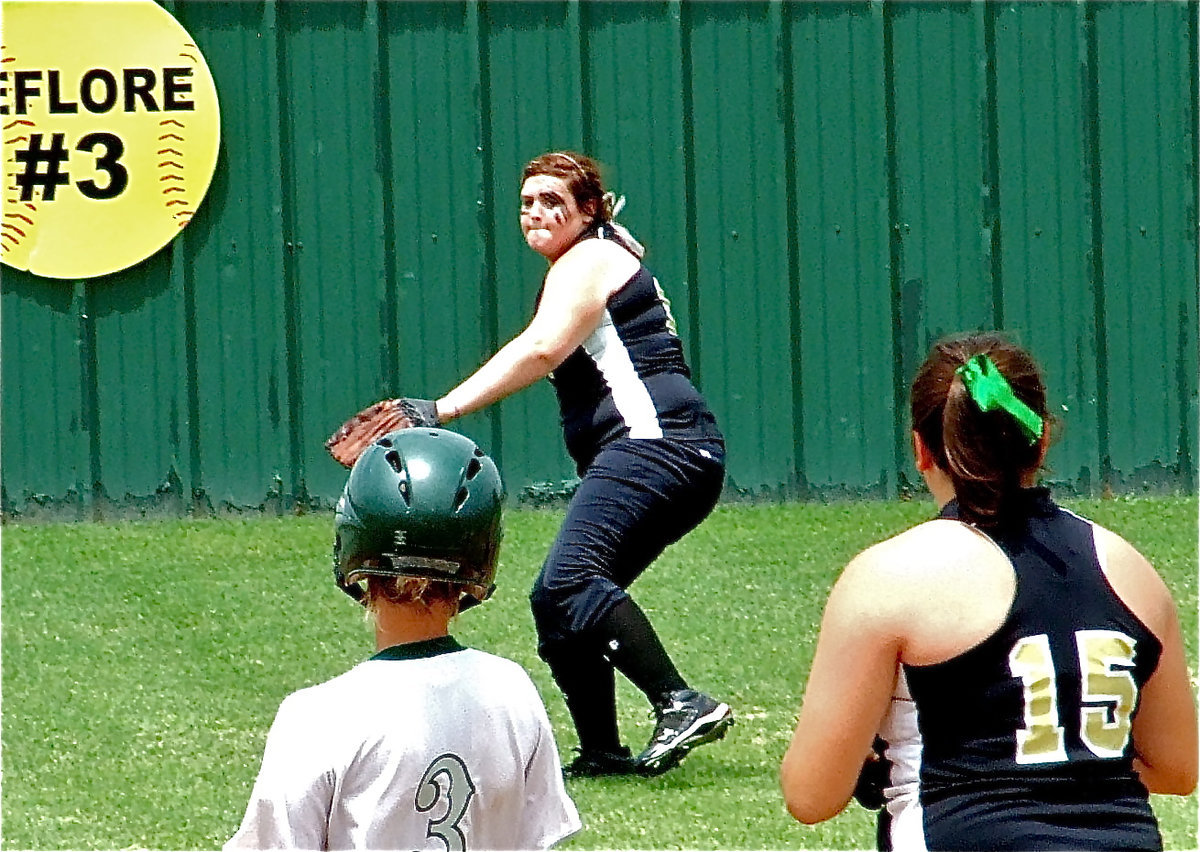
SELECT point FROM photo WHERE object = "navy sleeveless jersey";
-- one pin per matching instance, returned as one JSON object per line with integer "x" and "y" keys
{"x": 1023, "y": 741}
{"x": 629, "y": 377}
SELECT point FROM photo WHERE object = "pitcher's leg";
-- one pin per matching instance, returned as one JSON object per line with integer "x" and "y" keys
{"x": 636, "y": 498}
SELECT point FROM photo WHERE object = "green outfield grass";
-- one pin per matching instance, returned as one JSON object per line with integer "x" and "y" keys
{"x": 143, "y": 662}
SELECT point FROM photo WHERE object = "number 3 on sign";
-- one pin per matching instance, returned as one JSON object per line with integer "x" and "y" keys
{"x": 111, "y": 135}
{"x": 1109, "y": 695}
{"x": 43, "y": 166}
{"x": 108, "y": 162}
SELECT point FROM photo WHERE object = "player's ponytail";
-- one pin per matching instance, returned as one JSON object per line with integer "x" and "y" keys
{"x": 608, "y": 218}
{"x": 979, "y": 405}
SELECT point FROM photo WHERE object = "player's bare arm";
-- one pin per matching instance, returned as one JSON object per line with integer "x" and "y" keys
{"x": 852, "y": 679}
{"x": 1164, "y": 729}
{"x": 578, "y": 286}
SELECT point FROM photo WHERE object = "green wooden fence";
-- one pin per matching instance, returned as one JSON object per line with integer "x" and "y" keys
{"x": 825, "y": 188}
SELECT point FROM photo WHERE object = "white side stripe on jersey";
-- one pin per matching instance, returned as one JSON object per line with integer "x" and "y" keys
{"x": 906, "y": 748}
{"x": 630, "y": 396}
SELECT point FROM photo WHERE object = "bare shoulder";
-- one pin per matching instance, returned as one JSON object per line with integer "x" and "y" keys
{"x": 927, "y": 550}
{"x": 597, "y": 250}
{"x": 1134, "y": 579}
{"x": 941, "y": 587}
{"x": 600, "y": 260}
{"x": 897, "y": 574}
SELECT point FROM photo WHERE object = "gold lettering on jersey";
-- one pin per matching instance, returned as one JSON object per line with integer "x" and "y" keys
{"x": 1109, "y": 690}
{"x": 1109, "y": 695}
{"x": 1041, "y": 740}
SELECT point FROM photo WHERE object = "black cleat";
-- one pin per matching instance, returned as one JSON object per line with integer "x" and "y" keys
{"x": 687, "y": 719}
{"x": 590, "y": 764}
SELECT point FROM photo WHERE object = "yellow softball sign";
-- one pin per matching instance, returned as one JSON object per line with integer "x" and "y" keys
{"x": 111, "y": 128}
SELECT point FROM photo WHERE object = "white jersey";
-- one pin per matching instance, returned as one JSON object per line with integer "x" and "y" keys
{"x": 427, "y": 745}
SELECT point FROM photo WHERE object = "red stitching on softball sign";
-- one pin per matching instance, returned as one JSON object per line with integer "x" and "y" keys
{"x": 111, "y": 129}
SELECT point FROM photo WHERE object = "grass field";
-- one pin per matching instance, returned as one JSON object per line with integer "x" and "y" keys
{"x": 143, "y": 662}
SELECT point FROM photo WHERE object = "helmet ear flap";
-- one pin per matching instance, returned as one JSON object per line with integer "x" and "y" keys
{"x": 340, "y": 573}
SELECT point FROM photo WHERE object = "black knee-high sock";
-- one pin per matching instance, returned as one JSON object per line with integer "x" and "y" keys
{"x": 589, "y": 689}
{"x": 635, "y": 649}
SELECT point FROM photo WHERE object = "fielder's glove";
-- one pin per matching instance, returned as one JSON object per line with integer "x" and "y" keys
{"x": 873, "y": 777}
{"x": 371, "y": 424}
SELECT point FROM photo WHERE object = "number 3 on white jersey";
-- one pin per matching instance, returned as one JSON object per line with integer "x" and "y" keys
{"x": 1109, "y": 695}
{"x": 458, "y": 790}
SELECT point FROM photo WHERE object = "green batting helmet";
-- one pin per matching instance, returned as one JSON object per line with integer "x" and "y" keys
{"x": 419, "y": 502}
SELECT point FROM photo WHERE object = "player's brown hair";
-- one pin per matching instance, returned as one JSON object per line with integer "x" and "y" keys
{"x": 986, "y": 454}
{"x": 405, "y": 590}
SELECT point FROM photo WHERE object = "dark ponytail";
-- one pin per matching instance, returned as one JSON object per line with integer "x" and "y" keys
{"x": 987, "y": 454}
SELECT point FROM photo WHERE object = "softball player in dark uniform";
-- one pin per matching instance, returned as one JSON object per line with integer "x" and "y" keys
{"x": 648, "y": 450}
{"x": 1014, "y": 673}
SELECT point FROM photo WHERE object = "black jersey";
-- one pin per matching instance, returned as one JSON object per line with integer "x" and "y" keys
{"x": 629, "y": 377}
{"x": 1023, "y": 741}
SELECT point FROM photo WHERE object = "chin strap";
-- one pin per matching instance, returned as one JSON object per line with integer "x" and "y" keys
{"x": 354, "y": 590}
{"x": 467, "y": 601}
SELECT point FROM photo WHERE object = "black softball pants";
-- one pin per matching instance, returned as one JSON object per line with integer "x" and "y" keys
{"x": 637, "y": 497}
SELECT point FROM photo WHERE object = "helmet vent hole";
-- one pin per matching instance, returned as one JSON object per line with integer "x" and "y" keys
{"x": 460, "y": 498}
{"x": 405, "y": 491}
{"x": 393, "y": 460}
{"x": 473, "y": 468}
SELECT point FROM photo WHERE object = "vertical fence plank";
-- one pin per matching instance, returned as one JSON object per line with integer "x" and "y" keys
{"x": 940, "y": 240}
{"x": 939, "y": 82}
{"x": 335, "y": 244}
{"x": 234, "y": 256}
{"x": 1150, "y": 285}
{"x": 846, "y": 332}
{"x": 434, "y": 179}
{"x": 141, "y": 394}
{"x": 1043, "y": 176}
{"x": 45, "y": 456}
{"x": 632, "y": 114}
{"x": 743, "y": 281}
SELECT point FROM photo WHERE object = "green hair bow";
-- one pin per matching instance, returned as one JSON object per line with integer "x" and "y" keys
{"x": 991, "y": 391}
